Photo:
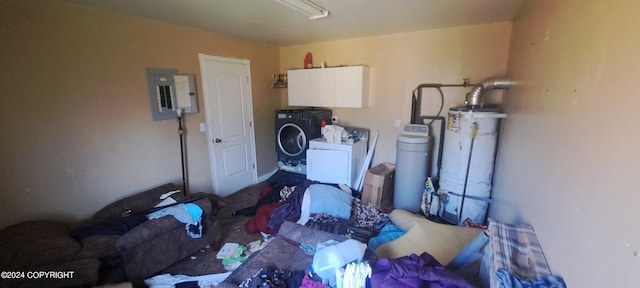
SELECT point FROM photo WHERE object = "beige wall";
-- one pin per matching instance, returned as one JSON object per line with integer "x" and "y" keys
{"x": 399, "y": 63}
{"x": 77, "y": 128}
{"x": 570, "y": 153}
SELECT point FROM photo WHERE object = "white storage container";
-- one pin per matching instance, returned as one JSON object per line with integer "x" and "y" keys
{"x": 328, "y": 260}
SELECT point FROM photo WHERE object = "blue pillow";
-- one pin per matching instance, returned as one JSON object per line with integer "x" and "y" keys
{"x": 329, "y": 200}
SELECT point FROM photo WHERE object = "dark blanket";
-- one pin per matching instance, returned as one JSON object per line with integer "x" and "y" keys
{"x": 327, "y": 223}
{"x": 365, "y": 222}
{"x": 414, "y": 271}
{"x": 268, "y": 195}
{"x": 118, "y": 226}
{"x": 290, "y": 209}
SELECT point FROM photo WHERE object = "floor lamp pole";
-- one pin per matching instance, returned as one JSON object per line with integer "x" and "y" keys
{"x": 184, "y": 167}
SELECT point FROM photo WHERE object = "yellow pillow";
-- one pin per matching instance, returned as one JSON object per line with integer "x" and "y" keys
{"x": 442, "y": 241}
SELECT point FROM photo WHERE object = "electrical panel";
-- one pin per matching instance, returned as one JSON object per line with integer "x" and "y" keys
{"x": 168, "y": 92}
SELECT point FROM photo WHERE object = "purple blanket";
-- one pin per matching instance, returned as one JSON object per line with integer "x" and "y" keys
{"x": 414, "y": 271}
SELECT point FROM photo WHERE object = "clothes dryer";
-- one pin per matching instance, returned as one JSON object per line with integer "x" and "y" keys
{"x": 294, "y": 130}
{"x": 335, "y": 163}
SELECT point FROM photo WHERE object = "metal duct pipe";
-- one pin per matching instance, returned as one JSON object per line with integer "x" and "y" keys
{"x": 474, "y": 97}
{"x": 416, "y": 100}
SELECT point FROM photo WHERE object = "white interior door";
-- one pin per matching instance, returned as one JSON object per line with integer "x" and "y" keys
{"x": 229, "y": 115}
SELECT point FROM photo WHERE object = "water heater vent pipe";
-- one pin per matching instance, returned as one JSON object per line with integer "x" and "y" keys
{"x": 474, "y": 97}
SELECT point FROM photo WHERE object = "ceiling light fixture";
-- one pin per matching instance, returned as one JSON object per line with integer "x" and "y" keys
{"x": 306, "y": 7}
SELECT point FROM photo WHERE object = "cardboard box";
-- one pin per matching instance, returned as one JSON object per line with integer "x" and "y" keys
{"x": 378, "y": 186}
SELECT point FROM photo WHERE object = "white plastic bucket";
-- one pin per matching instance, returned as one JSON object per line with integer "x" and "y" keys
{"x": 328, "y": 260}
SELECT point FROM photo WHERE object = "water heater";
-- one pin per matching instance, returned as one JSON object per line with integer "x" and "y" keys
{"x": 468, "y": 156}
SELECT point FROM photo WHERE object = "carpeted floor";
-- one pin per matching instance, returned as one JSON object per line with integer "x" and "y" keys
{"x": 233, "y": 227}
{"x": 205, "y": 262}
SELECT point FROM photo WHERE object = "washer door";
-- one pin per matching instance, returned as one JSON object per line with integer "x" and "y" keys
{"x": 292, "y": 140}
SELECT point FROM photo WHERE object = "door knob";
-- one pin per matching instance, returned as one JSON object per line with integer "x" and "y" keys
{"x": 218, "y": 140}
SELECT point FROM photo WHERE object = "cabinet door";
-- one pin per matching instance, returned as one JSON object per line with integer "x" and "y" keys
{"x": 329, "y": 87}
{"x": 298, "y": 87}
{"x": 351, "y": 87}
{"x": 321, "y": 87}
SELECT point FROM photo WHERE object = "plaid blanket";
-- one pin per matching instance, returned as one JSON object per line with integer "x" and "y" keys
{"x": 518, "y": 257}
{"x": 517, "y": 250}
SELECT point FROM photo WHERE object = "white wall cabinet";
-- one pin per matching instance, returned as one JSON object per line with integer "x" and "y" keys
{"x": 341, "y": 87}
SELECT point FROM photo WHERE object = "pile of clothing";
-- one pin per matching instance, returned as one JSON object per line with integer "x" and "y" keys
{"x": 319, "y": 206}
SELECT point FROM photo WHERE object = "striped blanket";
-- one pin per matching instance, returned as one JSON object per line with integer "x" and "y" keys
{"x": 517, "y": 258}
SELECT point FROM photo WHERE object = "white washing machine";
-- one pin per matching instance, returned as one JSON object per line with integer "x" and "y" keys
{"x": 335, "y": 163}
